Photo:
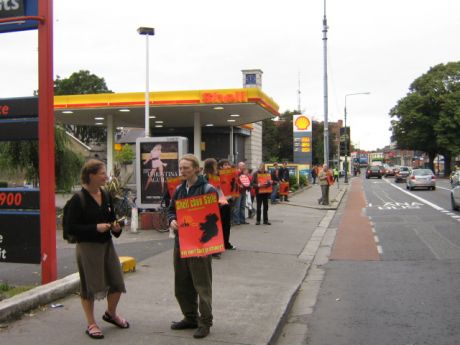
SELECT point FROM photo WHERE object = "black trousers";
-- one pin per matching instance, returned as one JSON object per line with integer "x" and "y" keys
{"x": 226, "y": 216}
{"x": 262, "y": 199}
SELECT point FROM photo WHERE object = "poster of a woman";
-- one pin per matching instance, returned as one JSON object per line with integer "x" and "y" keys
{"x": 156, "y": 165}
{"x": 157, "y": 161}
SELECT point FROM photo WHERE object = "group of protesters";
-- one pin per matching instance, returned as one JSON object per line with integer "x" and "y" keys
{"x": 92, "y": 221}
{"x": 249, "y": 188}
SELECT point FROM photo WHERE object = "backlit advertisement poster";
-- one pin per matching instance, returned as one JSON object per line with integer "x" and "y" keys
{"x": 157, "y": 161}
{"x": 200, "y": 227}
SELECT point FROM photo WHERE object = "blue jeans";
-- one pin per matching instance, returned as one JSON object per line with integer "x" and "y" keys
{"x": 236, "y": 211}
{"x": 275, "y": 190}
{"x": 242, "y": 208}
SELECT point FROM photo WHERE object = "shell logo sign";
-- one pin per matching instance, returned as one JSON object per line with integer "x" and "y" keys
{"x": 301, "y": 123}
{"x": 219, "y": 97}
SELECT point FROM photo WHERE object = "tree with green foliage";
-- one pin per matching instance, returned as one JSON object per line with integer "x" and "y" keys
{"x": 80, "y": 83}
{"x": 21, "y": 157}
{"x": 277, "y": 141}
{"x": 126, "y": 155}
{"x": 318, "y": 143}
{"x": 428, "y": 117}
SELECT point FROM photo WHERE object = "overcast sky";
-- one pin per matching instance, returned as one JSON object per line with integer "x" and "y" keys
{"x": 373, "y": 46}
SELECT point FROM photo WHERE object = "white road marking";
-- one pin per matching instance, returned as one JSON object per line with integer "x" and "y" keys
{"x": 436, "y": 207}
{"x": 376, "y": 239}
{"x": 448, "y": 189}
{"x": 380, "y": 250}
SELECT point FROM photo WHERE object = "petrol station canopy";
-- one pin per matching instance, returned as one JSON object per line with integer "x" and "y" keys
{"x": 223, "y": 107}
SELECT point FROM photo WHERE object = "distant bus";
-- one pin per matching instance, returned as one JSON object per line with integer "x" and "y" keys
{"x": 362, "y": 159}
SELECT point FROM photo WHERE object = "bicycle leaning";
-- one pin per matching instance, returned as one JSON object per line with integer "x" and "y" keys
{"x": 123, "y": 204}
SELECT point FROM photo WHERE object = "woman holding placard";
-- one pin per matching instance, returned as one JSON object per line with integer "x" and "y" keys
{"x": 263, "y": 186}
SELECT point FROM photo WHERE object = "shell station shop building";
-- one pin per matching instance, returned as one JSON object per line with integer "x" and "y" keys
{"x": 220, "y": 123}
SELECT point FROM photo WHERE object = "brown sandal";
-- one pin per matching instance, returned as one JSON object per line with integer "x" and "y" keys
{"x": 94, "y": 331}
{"x": 117, "y": 320}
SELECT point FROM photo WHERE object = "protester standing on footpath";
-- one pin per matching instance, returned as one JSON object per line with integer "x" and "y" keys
{"x": 246, "y": 181}
{"x": 226, "y": 210}
{"x": 261, "y": 198}
{"x": 237, "y": 200}
{"x": 276, "y": 182}
{"x": 242, "y": 189}
{"x": 192, "y": 276}
{"x": 284, "y": 177}
{"x": 314, "y": 173}
{"x": 91, "y": 219}
{"x": 324, "y": 184}
{"x": 245, "y": 185}
{"x": 211, "y": 168}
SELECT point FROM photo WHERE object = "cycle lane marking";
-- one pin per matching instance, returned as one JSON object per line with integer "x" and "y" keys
{"x": 429, "y": 203}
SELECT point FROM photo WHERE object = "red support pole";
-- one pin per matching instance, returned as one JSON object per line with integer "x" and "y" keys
{"x": 46, "y": 142}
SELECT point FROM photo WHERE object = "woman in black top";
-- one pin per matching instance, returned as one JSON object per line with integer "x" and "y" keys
{"x": 261, "y": 198}
{"x": 92, "y": 222}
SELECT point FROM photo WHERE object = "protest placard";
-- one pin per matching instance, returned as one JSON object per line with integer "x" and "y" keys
{"x": 172, "y": 184}
{"x": 229, "y": 182}
{"x": 265, "y": 183}
{"x": 200, "y": 227}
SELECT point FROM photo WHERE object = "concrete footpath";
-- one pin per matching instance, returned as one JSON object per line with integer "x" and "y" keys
{"x": 253, "y": 288}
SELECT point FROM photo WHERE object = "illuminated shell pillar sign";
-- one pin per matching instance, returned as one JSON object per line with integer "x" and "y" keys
{"x": 302, "y": 145}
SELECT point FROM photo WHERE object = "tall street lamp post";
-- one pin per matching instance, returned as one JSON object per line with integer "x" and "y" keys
{"x": 346, "y": 133}
{"x": 325, "y": 84}
{"x": 147, "y": 32}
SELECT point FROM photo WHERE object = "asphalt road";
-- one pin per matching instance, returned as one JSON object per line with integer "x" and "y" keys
{"x": 411, "y": 294}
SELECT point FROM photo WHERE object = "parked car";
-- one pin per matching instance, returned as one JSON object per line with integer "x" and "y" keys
{"x": 455, "y": 178}
{"x": 455, "y": 197}
{"x": 401, "y": 173}
{"x": 423, "y": 178}
{"x": 374, "y": 171}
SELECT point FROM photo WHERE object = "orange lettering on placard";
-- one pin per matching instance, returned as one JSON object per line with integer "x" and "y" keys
{"x": 215, "y": 97}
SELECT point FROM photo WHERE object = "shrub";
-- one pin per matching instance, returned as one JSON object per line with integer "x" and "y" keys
{"x": 293, "y": 183}
{"x": 126, "y": 155}
{"x": 303, "y": 180}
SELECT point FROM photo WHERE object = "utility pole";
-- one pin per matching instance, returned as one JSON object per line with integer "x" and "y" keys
{"x": 299, "y": 107}
{"x": 326, "y": 123}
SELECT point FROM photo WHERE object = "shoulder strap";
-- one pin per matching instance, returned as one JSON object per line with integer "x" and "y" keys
{"x": 107, "y": 196}
{"x": 82, "y": 199}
